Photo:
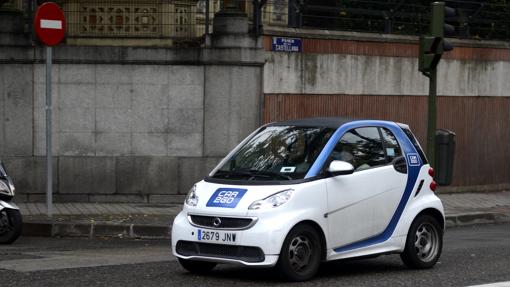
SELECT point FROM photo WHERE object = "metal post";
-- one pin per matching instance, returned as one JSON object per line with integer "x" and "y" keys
{"x": 207, "y": 19}
{"x": 30, "y": 18}
{"x": 49, "y": 165}
{"x": 431, "y": 121}
{"x": 256, "y": 18}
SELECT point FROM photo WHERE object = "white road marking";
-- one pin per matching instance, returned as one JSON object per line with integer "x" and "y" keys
{"x": 51, "y": 24}
{"x": 499, "y": 284}
{"x": 57, "y": 260}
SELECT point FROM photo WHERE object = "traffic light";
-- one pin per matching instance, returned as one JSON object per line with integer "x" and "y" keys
{"x": 432, "y": 46}
{"x": 438, "y": 25}
{"x": 430, "y": 53}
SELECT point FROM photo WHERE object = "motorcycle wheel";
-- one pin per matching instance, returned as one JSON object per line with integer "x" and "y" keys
{"x": 10, "y": 225}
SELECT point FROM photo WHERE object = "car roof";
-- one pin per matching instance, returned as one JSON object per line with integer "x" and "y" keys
{"x": 328, "y": 122}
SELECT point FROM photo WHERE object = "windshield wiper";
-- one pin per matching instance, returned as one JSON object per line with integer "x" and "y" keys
{"x": 272, "y": 174}
{"x": 253, "y": 173}
{"x": 239, "y": 173}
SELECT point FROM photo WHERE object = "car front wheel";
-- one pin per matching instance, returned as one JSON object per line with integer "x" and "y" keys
{"x": 424, "y": 243}
{"x": 300, "y": 256}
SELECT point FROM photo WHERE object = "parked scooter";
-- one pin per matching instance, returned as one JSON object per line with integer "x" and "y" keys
{"x": 10, "y": 216}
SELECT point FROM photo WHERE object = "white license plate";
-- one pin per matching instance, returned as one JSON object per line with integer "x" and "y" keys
{"x": 217, "y": 236}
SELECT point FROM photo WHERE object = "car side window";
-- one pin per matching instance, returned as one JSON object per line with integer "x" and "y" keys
{"x": 362, "y": 147}
{"x": 390, "y": 144}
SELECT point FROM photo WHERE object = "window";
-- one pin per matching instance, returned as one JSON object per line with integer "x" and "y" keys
{"x": 361, "y": 147}
{"x": 390, "y": 144}
{"x": 276, "y": 153}
{"x": 417, "y": 146}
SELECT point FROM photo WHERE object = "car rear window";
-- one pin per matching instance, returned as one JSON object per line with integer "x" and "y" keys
{"x": 417, "y": 146}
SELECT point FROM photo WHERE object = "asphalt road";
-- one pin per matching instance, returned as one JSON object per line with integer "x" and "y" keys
{"x": 471, "y": 256}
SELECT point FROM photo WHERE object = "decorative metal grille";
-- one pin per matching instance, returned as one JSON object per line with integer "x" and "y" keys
{"x": 131, "y": 18}
{"x": 15, "y": 5}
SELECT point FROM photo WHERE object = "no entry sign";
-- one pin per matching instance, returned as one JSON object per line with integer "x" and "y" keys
{"x": 49, "y": 23}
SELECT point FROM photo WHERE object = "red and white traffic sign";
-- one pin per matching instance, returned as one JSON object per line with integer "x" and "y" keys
{"x": 50, "y": 23}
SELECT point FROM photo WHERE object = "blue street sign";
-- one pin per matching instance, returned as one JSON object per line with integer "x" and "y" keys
{"x": 281, "y": 44}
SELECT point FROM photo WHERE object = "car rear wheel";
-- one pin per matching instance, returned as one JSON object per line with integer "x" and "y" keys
{"x": 197, "y": 267}
{"x": 424, "y": 243}
{"x": 300, "y": 256}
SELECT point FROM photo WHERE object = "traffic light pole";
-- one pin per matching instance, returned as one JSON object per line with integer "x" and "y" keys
{"x": 431, "y": 118}
{"x": 431, "y": 49}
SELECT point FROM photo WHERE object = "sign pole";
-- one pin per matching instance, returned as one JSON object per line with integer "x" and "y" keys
{"x": 49, "y": 26}
{"x": 49, "y": 160}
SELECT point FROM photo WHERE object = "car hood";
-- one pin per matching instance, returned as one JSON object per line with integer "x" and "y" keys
{"x": 230, "y": 200}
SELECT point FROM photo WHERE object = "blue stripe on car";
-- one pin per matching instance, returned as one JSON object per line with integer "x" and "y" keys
{"x": 412, "y": 175}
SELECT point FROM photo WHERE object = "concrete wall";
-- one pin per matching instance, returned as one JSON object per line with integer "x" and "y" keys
{"x": 302, "y": 73}
{"x": 121, "y": 110}
{"x": 129, "y": 124}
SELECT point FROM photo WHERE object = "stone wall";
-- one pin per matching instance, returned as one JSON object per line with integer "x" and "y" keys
{"x": 129, "y": 124}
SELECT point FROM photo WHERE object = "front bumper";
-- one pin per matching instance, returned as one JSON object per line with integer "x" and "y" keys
{"x": 257, "y": 246}
{"x": 8, "y": 204}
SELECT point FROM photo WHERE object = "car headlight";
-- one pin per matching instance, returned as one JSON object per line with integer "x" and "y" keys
{"x": 4, "y": 188}
{"x": 272, "y": 201}
{"x": 192, "y": 198}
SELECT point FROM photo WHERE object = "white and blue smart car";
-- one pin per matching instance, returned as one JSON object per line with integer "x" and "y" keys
{"x": 296, "y": 193}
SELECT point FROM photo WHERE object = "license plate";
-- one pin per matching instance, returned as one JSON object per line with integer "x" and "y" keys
{"x": 217, "y": 236}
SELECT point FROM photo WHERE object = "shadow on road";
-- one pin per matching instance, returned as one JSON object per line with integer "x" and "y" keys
{"x": 337, "y": 269}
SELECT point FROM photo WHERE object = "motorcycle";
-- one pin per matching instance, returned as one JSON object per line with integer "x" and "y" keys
{"x": 10, "y": 215}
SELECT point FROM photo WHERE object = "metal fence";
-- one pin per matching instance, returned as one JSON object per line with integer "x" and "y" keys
{"x": 189, "y": 20}
{"x": 484, "y": 19}
{"x": 178, "y": 20}
{"x": 182, "y": 19}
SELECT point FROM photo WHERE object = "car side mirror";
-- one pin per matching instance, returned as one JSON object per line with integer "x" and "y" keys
{"x": 338, "y": 167}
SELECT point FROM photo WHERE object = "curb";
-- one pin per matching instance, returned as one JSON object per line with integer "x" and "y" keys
{"x": 144, "y": 231}
{"x": 466, "y": 219}
{"x": 95, "y": 230}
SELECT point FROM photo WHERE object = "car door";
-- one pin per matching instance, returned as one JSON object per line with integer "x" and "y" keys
{"x": 361, "y": 204}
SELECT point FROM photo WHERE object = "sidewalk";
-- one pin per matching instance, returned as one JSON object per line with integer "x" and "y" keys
{"x": 154, "y": 221}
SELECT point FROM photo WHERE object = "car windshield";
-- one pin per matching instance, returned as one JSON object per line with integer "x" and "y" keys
{"x": 276, "y": 153}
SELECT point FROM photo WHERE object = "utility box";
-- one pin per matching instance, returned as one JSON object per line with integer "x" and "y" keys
{"x": 445, "y": 154}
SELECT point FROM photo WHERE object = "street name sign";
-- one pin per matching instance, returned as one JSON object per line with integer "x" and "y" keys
{"x": 283, "y": 44}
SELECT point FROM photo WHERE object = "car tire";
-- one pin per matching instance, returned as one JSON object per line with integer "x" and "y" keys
{"x": 424, "y": 243}
{"x": 197, "y": 267}
{"x": 11, "y": 225}
{"x": 301, "y": 253}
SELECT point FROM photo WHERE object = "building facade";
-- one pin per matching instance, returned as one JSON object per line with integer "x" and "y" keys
{"x": 144, "y": 106}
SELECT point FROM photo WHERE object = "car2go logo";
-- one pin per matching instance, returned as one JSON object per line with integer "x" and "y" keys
{"x": 226, "y": 197}
{"x": 414, "y": 159}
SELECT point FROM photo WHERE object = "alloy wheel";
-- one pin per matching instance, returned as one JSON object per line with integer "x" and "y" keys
{"x": 426, "y": 242}
{"x": 300, "y": 252}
